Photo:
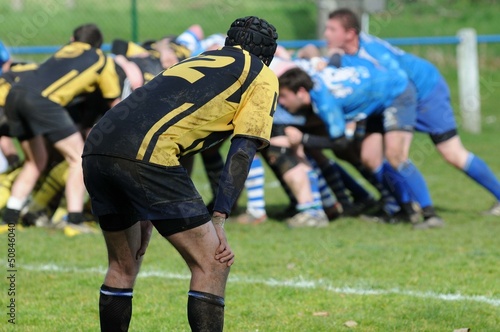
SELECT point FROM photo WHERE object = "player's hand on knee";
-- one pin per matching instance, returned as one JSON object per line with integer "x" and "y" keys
{"x": 146, "y": 231}
{"x": 223, "y": 253}
{"x": 294, "y": 135}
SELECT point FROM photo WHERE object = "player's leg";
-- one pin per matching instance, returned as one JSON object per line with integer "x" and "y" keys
{"x": 208, "y": 276}
{"x": 457, "y": 155}
{"x": 399, "y": 121}
{"x": 118, "y": 199}
{"x": 393, "y": 191}
{"x": 296, "y": 173}
{"x": 34, "y": 164}
{"x": 52, "y": 186}
{"x": 6, "y": 181}
{"x": 71, "y": 148}
{"x": 115, "y": 299}
{"x": 340, "y": 181}
{"x": 403, "y": 172}
{"x": 436, "y": 117}
{"x": 333, "y": 178}
{"x": 270, "y": 159}
{"x": 327, "y": 199}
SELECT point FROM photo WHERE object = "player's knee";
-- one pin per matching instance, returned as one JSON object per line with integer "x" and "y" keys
{"x": 40, "y": 163}
{"x": 395, "y": 157}
{"x": 456, "y": 158}
{"x": 371, "y": 161}
{"x": 454, "y": 153}
{"x": 210, "y": 270}
{"x": 296, "y": 173}
{"x": 125, "y": 271}
{"x": 281, "y": 159}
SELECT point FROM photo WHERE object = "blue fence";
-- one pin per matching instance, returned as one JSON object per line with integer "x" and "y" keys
{"x": 294, "y": 44}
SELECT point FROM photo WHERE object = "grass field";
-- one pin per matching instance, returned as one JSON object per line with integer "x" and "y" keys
{"x": 383, "y": 277}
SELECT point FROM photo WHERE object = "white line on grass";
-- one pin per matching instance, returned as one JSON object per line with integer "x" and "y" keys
{"x": 310, "y": 284}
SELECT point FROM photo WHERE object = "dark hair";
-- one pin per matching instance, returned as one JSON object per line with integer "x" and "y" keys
{"x": 348, "y": 19}
{"x": 254, "y": 35}
{"x": 294, "y": 79}
{"x": 88, "y": 33}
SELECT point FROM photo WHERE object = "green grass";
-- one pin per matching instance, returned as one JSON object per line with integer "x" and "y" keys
{"x": 384, "y": 277}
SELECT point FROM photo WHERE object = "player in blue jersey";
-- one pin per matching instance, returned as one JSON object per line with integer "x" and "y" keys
{"x": 298, "y": 179}
{"x": 385, "y": 99}
{"x": 434, "y": 112}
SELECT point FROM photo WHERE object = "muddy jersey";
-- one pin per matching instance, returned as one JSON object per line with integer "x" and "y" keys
{"x": 190, "y": 107}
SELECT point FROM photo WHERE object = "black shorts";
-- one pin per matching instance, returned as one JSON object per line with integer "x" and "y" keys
{"x": 4, "y": 126}
{"x": 29, "y": 115}
{"x": 123, "y": 192}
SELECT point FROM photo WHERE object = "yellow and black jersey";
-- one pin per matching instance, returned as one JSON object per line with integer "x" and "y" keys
{"x": 150, "y": 66}
{"x": 77, "y": 68}
{"x": 131, "y": 49}
{"x": 190, "y": 107}
{"x": 10, "y": 77}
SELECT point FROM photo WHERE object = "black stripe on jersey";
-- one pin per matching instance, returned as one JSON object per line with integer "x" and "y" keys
{"x": 207, "y": 86}
{"x": 99, "y": 71}
{"x": 273, "y": 106}
{"x": 255, "y": 68}
{"x": 209, "y": 141}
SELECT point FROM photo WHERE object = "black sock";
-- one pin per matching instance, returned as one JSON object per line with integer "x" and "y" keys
{"x": 11, "y": 216}
{"x": 408, "y": 208}
{"x": 75, "y": 217}
{"x": 429, "y": 212}
{"x": 205, "y": 312}
{"x": 115, "y": 308}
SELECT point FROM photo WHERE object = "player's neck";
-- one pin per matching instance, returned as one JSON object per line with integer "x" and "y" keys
{"x": 352, "y": 47}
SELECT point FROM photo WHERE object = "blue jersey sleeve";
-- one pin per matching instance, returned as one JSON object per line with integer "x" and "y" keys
{"x": 421, "y": 72}
{"x": 328, "y": 108}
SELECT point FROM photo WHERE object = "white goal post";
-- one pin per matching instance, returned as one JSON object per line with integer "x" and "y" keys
{"x": 468, "y": 80}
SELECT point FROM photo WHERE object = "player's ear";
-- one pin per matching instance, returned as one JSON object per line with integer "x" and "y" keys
{"x": 302, "y": 93}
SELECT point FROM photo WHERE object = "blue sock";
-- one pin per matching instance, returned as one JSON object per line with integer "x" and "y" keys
{"x": 314, "y": 207}
{"x": 479, "y": 171}
{"x": 254, "y": 184}
{"x": 313, "y": 179}
{"x": 393, "y": 182}
{"x": 391, "y": 205}
{"x": 357, "y": 191}
{"x": 327, "y": 198}
{"x": 416, "y": 183}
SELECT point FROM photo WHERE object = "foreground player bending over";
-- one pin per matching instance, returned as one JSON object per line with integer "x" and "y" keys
{"x": 132, "y": 170}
